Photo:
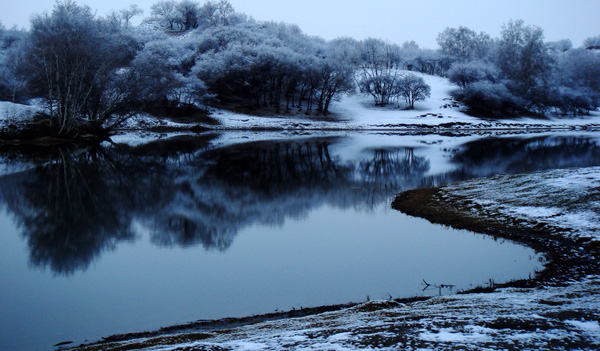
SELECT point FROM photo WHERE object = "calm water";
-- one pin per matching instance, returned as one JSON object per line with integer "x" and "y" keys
{"x": 115, "y": 239}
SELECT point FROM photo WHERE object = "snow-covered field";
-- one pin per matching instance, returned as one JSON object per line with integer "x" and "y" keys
{"x": 562, "y": 317}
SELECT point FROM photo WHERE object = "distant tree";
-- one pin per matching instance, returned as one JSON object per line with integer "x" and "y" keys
{"x": 432, "y": 62}
{"x": 384, "y": 89}
{"x": 165, "y": 13}
{"x": 578, "y": 67}
{"x": 336, "y": 76}
{"x": 413, "y": 88}
{"x": 12, "y": 82}
{"x": 155, "y": 67}
{"x": 123, "y": 17}
{"x": 188, "y": 13}
{"x": 522, "y": 56}
{"x": 592, "y": 43}
{"x": 572, "y": 101}
{"x": 559, "y": 46}
{"x": 463, "y": 43}
{"x": 465, "y": 73}
{"x": 380, "y": 66}
{"x": 410, "y": 45}
{"x": 576, "y": 81}
{"x": 127, "y": 14}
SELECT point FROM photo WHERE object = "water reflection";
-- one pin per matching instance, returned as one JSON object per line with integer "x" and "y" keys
{"x": 486, "y": 157}
{"x": 80, "y": 203}
{"x": 71, "y": 209}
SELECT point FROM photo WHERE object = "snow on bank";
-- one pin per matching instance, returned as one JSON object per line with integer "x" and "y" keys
{"x": 11, "y": 113}
{"x": 557, "y": 318}
{"x": 566, "y": 199}
{"x": 356, "y": 112}
{"x": 562, "y": 317}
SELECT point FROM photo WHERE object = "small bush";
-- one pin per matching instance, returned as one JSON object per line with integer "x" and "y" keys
{"x": 491, "y": 99}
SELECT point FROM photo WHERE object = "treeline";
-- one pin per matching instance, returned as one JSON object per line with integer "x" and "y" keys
{"x": 94, "y": 72}
{"x": 519, "y": 73}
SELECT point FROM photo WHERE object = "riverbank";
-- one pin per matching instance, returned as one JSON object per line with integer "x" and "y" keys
{"x": 552, "y": 211}
{"x": 440, "y": 113}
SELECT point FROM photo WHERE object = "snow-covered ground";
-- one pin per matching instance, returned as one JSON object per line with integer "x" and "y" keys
{"x": 439, "y": 111}
{"x": 552, "y": 318}
{"x": 562, "y": 317}
{"x": 13, "y": 113}
{"x": 566, "y": 200}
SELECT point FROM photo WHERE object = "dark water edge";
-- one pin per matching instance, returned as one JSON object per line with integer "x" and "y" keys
{"x": 144, "y": 181}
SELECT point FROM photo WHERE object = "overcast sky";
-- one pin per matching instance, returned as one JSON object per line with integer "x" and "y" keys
{"x": 393, "y": 20}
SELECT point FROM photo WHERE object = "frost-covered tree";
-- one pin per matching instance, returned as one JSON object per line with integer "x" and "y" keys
{"x": 336, "y": 76}
{"x": 380, "y": 67}
{"x": 465, "y": 73}
{"x": 432, "y": 62}
{"x": 384, "y": 89}
{"x": 592, "y": 43}
{"x": 155, "y": 67}
{"x": 578, "y": 67}
{"x": 556, "y": 47}
{"x": 522, "y": 56}
{"x": 221, "y": 12}
{"x": 272, "y": 65}
{"x": 413, "y": 88}
{"x": 73, "y": 60}
{"x": 188, "y": 13}
{"x": 463, "y": 43}
{"x": 576, "y": 82}
{"x": 123, "y": 17}
{"x": 165, "y": 13}
{"x": 491, "y": 99}
{"x": 12, "y": 82}
{"x": 572, "y": 101}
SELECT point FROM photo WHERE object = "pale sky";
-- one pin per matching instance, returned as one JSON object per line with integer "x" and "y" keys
{"x": 393, "y": 20}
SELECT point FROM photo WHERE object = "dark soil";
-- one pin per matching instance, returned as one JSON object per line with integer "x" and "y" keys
{"x": 185, "y": 114}
{"x": 40, "y": 132}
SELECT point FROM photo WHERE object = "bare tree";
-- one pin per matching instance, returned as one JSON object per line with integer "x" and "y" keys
{"x": 380, "y": 66}
{"x": 73, "y": 59}
{"x": 128, "y": 14}
{"x": 413, "y": 88}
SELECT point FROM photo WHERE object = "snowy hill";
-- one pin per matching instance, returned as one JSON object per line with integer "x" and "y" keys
{"x": 440, "y": 110}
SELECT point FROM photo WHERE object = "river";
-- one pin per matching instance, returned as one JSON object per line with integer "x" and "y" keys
{"x": 117, "y": 238}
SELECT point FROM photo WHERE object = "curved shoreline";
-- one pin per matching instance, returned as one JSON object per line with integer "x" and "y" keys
{"x": 563, "y": 294}
{"x": 568, "y": 259}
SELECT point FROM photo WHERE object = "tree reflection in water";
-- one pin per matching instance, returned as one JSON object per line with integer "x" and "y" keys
{"x": 70, "y": 209}
{"x": 80, "y": 203}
